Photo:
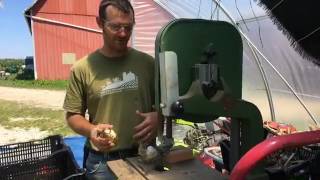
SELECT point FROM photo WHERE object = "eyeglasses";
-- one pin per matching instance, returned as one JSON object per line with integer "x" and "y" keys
{"x": 118, "y": 27}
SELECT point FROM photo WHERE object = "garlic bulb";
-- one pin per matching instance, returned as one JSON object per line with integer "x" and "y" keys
{"x": 109, "y": 133}
{"x": 148, "y": 153}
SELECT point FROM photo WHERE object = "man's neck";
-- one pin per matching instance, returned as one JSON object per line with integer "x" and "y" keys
{"x": 109, "y": 53}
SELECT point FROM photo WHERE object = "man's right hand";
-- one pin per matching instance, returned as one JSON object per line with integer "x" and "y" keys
{"x": 99, "y": 143}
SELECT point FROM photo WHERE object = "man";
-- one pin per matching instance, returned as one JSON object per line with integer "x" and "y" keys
{"x": 115, "y": 85}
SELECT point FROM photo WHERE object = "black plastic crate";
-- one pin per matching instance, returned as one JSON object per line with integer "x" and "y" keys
{"x": 48, "y": 158}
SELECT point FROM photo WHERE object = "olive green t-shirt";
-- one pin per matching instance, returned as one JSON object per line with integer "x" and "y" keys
{"x": 111, "y": 90}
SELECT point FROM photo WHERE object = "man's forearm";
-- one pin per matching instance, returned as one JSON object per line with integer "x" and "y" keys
{"x": 79, "y": 124}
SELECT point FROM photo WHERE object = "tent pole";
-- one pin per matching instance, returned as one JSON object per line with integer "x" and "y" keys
{"x": 264, "y": 77}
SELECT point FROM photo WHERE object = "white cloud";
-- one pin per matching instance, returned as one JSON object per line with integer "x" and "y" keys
{"x": 1, "y": 4}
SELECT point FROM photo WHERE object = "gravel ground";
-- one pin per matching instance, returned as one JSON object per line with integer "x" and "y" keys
{"x": 35, "y": 97}
{"x": 20, "y": 135}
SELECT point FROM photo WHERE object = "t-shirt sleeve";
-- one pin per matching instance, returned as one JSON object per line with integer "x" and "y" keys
{"x": 75, "y": 100}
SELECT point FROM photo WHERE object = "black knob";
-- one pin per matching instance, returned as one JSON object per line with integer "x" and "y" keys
{"x": 177, "y": 107}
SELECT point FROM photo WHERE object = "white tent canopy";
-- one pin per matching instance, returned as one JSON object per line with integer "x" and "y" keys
{"x": 290, "y": 90}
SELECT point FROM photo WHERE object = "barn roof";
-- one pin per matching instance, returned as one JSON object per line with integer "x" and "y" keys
{"x": 27, "y": 14}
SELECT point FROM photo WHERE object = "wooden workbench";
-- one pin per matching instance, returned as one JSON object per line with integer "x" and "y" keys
{"x": 134, "y": 169}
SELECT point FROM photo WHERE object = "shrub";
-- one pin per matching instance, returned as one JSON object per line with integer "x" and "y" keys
{"x": 11, "y": 66}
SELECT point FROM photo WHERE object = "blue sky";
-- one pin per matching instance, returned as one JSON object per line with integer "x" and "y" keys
{"x": 15, "y": 38}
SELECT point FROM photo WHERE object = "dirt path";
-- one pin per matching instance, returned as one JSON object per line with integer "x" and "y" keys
{"x": 34, "y": 97}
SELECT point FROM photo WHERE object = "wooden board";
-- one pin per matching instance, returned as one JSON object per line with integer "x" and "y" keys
{"x": 134, "y": 169}
{"x": 185, "y": 170}
{"x": 124, "y": 171}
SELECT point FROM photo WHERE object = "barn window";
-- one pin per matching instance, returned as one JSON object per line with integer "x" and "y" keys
{"x": 68, "y": 58}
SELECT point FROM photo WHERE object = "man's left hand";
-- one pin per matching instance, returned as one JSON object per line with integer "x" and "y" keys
{"x": 146, "y": 131}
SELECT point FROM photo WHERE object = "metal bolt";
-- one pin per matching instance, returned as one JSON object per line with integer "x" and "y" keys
{"x": 162, "y": 105}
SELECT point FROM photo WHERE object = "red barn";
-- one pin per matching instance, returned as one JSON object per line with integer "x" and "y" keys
{"x": 66, "y": 30}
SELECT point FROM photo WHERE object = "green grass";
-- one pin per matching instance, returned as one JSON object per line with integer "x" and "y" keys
{"x": 13, "y": 114}
{"x": 35, "y": 84}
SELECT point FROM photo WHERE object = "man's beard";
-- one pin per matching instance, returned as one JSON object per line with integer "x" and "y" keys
{"x": 120, "y": 45}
